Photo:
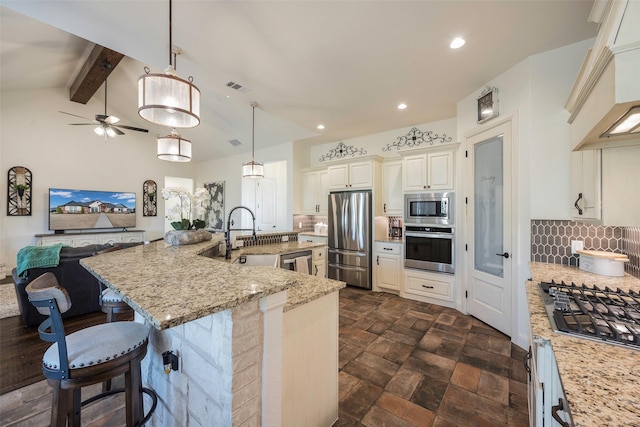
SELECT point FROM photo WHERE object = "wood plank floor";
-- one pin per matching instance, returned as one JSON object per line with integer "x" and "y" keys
{"x": 402, "y": 363}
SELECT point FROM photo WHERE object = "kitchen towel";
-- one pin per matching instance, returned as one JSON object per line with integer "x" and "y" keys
{"x": 301, "y": 265}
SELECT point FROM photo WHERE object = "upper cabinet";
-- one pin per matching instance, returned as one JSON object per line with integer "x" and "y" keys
{"x": 353, "y": 175}
{"x": 429, "y": 171}
{"x": 620, "y": 194}
{"x": 315, "y": 188}
{"x": 585, "y": 185}
{"x": 392, "y": 202}
{"x": 606, "y": 88}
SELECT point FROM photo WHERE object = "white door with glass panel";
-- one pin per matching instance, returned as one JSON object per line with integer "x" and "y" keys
{"x": 489, "y": 220}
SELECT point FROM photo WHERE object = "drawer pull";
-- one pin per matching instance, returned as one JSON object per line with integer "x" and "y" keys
{"x": 388, "y": 249}
{"x": 427, "y": 287}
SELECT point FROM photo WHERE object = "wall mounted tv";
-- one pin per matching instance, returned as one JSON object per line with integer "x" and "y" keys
{"x": 89, "y": 209}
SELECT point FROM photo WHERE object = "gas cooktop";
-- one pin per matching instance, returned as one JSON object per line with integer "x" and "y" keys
{"x": 594, "y": 313}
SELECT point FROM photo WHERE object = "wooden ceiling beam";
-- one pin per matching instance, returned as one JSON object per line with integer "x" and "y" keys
{"x": 92, "y": 73}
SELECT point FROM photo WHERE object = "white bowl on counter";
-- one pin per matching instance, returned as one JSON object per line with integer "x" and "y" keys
{"x": 603, "y": 263}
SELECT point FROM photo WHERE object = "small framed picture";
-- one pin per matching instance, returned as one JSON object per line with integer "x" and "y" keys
{"x": 488, "y": 104}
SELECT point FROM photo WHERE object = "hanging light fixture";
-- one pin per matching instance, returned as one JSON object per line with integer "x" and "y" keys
{"x": 166, "y": 99}
{"x": 253, "y": 169}
{"x": 174, "y": 148}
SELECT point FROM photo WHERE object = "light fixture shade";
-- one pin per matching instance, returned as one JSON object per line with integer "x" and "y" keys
{"x": 168, "y": 100}
{"x": 173, "y": 148}
{"x": 252, "y": 169}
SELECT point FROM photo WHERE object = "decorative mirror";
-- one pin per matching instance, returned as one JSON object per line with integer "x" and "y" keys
{"x": 488, "y": 104}
{"x": 149, "y": 198}
{"x": 19, "y": 191}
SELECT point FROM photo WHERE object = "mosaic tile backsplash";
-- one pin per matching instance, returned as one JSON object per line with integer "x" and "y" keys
{"x": 551, "y": 242}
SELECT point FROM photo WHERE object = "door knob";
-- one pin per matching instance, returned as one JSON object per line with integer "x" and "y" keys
{"x": 506, "y": 255}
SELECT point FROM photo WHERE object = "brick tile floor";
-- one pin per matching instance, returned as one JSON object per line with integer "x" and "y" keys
{"x": 406, "y": 363}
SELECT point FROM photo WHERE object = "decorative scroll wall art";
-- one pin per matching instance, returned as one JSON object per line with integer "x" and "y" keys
{"x": 214, "y": 208}
{"x": 416, "y": 138}
{"x": 19, "y": 186}
{"x": 341, "y": 151}
{"x": 149, "y": 198}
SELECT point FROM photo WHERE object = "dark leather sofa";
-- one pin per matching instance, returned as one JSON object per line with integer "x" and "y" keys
{"x": 83, "y": 288}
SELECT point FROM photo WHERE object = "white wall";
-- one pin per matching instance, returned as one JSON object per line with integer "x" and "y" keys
{"x": 35, "y": 135}
{"x": 229, "y": 170}
{"x": 533, "y": 92}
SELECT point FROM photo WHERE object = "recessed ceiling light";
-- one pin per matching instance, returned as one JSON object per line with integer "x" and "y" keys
{"x": 456, "y": 43}
{"x": 320, "y": 126}
{"x": 402, "y": 106}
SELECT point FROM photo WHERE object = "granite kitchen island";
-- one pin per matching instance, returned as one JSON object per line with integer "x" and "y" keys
{"x": 257, "y": 345}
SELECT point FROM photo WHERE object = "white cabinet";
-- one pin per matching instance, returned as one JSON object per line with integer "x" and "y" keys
{"x": 388, "y": 266}
{"x": 85, "y": 239}
{"x": 620, "y": 179}
{"x": 586, "y": 185}
{"x": 545, "y": 393}
{"x": 392, "y": 200}
{"x": 429, "y": 171}
{"x": 315, "y": 190}
{"x": 319, "y": 263}
{"x": 428, "y": 287}
{"x": 353, "y": 175}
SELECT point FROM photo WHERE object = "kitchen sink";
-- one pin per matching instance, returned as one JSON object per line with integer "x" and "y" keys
{"x": 269, "y": 260}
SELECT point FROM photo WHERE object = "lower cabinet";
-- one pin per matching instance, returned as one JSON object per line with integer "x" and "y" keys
{"x": 85, "y": 239}
{"x": 387, "y": 263}
{"x": 428, "y": 287}
{"x": 319, "y": 262}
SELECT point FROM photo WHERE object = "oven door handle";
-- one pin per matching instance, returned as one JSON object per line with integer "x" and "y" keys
{"x": 430, "y": 235}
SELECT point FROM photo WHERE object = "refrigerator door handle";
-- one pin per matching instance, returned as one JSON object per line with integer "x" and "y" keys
{"x": 352, "y": 253}
{"x": 348, "y": 268}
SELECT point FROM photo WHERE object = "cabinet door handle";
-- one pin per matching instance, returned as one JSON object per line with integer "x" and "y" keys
{"x": 575, "y": 205}
{"x": 427, "y": 287}
{"x": 316, "y": 270}
{"x": 554, "y": 413}
{"x": 378, "y": 260}
{"x": 384, "y": 207}
{"x": 525, "y": 362}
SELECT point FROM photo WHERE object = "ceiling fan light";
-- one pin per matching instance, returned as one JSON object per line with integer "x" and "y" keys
{"x": 99, "y": 130}
{"x": 252, "y": 169}
{"x": 110, "y": 132}
{"x": 174, "y": 148}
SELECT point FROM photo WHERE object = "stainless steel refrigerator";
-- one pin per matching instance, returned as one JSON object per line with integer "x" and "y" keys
{"x": 349, "y": 240}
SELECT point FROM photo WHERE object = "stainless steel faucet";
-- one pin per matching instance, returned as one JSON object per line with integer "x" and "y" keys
{"x": 227, "y": 237}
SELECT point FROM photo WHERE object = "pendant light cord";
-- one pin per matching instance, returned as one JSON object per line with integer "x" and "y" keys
{"x": 170, "y": 35}
{"x": 253, "y": 131}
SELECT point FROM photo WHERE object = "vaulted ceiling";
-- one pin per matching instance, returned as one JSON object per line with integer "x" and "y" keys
{"x": 345, "y": 64}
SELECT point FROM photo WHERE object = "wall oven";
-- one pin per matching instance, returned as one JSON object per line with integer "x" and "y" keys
{"x": 429, "y": 208}
{"x": 429, "y": 248}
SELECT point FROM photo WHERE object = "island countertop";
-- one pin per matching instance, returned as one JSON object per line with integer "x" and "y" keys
{"x": 600, "y": 380}
{"x": 172, "y": 285}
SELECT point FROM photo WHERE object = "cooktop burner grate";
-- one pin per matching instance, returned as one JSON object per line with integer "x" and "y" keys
{"x": 602, "y": 314}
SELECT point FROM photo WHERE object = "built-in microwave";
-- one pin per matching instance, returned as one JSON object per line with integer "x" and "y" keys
{"x": 429, "y": 208}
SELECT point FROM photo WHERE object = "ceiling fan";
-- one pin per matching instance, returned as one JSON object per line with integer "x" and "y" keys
{"x": 105, "y": 125}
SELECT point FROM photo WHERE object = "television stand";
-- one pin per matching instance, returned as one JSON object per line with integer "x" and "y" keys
{"x": 84, "y": 239}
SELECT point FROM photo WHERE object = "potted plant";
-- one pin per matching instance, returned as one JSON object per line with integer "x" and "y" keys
{"x": 20, "y": 188}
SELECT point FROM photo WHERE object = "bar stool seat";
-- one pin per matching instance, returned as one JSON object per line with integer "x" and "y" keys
{"x": 89, "y": 356}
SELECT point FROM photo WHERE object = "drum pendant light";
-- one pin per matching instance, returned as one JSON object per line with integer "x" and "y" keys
{"x": 253, "y": 169}
{"x": 174, "y": 148}
{"x": 166, "y": 99}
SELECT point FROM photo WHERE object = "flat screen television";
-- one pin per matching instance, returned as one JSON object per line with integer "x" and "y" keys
{"x": 90, "y": 209}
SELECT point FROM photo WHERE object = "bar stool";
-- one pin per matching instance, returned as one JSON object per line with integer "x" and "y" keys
{"x": 110, "y": 303}
{"x": 89, "y": 356}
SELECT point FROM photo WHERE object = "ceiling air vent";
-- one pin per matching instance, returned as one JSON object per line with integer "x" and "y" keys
{"x": 237, "y": 86}
{"x": 235, "y": 142}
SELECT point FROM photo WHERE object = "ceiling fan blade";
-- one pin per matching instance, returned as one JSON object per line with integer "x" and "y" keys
{"x": 116, "y": 130}
{"x": 75, "y": 115}
{"x": 131, "y": 128}
{"x": 83, "y": 124}
{"x": 112, "y": 120}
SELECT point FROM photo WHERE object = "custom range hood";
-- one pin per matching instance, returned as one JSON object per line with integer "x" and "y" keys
{"x": 607, "y": 89}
